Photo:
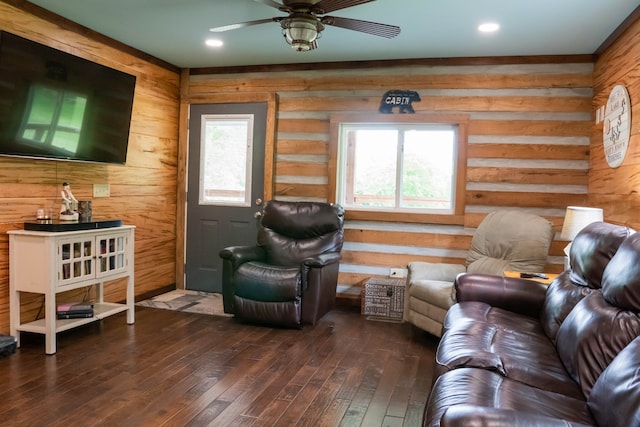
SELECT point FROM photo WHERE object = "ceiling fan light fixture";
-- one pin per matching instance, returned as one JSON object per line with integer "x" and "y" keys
{"x": 300, "y": 32}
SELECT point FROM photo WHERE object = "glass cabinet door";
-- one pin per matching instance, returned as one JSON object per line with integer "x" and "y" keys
{"x": 112, "y": 254}
{"x": 76, "y": 259}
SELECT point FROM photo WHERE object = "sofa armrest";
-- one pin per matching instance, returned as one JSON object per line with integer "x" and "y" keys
{"x": 321, "y": 260}
{"x": 514, "y": 294}
{"x": 238, "y": 255}
{"x": 472, "y": 416}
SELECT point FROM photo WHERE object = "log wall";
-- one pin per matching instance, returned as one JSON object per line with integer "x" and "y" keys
{"x": 617, "y": 190}
{"x": 531, "y": 142}
{"x": 529, "y": 134}
{"x": 143, "y": 193}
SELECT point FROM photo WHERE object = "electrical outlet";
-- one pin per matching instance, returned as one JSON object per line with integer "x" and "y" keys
{"x": 101, "y": 190}
{"x": 396, "y": 272}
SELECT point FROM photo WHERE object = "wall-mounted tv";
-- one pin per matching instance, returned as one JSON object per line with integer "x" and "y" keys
{"x": 55, "y": 105}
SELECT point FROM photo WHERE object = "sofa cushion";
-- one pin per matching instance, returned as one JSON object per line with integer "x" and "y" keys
{"x": 479, "y": 387}
{"x": 592, "y": 335}
{"x": 615, "y": 398}
{"x": 525, "y": 356}
{"x": 604, "y": 322}
{"x": 591, "y": 250}
{"x": 621, "y": 277}
{"x": 562, "y": 296}
{"x": 478, "y": 312}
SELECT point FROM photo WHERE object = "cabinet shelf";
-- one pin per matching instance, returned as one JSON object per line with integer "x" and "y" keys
{"x": 100, "y": 311}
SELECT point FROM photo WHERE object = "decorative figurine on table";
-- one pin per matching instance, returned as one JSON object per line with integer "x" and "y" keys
{"x": 69, "y": 208}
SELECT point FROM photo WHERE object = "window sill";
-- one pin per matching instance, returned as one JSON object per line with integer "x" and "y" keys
{"x": 420, "y": 218}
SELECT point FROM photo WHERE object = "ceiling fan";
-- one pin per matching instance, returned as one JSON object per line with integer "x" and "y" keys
{"x": 303, "y": 25}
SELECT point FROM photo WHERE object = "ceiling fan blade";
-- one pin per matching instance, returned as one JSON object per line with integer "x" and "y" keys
{"x": 242, "y": 25}
{"x": 271, "y": 3}
{"x": 373, "y": 28}
{"x": 327, "y": 6}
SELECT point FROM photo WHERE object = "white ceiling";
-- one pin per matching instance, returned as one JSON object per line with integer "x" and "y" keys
{"x": 175, "y": 30}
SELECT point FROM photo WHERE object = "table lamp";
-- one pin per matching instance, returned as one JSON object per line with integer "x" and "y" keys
{"x": 575, "y": 219}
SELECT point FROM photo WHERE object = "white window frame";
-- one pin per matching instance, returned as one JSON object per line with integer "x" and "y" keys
{"x": 337, "y": 167}
{"x": 240, "y": 118}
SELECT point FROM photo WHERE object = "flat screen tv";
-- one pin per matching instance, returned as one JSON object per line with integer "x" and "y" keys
{"x": 55, "y": 105}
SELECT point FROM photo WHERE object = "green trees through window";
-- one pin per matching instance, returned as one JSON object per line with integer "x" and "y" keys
{"x": 395, "y": 166}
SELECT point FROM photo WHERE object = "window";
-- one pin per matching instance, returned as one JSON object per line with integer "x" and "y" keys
{"x": 410, "y": 165}
{"x": 225, "y": 159}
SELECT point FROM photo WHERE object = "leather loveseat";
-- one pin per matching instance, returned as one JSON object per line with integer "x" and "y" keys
{"x": 516, "y": 353}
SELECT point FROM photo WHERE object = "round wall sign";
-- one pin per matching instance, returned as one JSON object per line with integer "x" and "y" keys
{"x": 617, "y": 126}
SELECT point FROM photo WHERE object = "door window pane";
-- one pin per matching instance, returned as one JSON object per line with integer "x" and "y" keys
{"x": 225, "y": 160}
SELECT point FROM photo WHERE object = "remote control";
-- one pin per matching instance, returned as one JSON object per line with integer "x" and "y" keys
{"x": 533, "y": 276}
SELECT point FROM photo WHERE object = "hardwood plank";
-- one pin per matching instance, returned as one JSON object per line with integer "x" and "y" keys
{"x": 172, "y": 368}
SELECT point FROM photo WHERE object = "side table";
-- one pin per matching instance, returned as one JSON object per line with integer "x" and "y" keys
{"x": 550, "y": 277}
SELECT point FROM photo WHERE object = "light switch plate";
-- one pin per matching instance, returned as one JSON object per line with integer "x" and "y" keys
{"x": 101, "y": 190}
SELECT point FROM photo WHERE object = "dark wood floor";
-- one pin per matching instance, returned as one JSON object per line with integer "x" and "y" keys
{"x": 181, "y": 369}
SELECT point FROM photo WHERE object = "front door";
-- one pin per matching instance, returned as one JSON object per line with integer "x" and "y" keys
{"x": 224, "y": 186}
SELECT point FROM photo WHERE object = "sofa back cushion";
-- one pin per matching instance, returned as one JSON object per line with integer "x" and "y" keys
{"x": 621, "y": 278}
{"x": 591, "y": 251}
{"x": 604, "y": 322}
{"x": 592, "y": 335}
{"x": 615, "y": 398}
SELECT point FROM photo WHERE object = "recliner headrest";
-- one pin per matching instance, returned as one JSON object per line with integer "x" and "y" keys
{"x": 302, "y": 220}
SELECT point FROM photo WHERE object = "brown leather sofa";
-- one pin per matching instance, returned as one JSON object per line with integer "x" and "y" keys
{"x": 515, "y": 353}
{"x": 290, "y": 276}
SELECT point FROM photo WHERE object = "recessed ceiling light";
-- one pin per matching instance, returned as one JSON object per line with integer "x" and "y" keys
{"x": 213, "y": 42}
{"x": 488, "y": 27}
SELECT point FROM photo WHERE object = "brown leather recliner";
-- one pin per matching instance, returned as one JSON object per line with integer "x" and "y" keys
{"x": 290, "y": 276}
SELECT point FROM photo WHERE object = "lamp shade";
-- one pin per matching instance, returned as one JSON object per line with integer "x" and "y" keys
{"x": 576, "y": 218}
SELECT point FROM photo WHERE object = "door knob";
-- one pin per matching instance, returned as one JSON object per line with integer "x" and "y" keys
{"x": 257, "y": 215}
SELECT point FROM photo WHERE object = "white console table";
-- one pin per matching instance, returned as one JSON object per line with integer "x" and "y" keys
{"x": 48, "y": 263}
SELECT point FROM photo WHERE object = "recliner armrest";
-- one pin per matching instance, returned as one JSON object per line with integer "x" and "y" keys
{"x": 441, "y": 271}
{"x": 471, "y": 416}
{"x": 238, "y": 255}
{"x": 514, "y": 294}
{"x": 322, "y": 260}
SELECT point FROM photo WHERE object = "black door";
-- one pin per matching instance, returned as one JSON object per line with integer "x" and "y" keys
{"x": 225, "y": 185}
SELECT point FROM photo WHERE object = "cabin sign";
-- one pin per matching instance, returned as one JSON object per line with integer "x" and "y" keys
{"x": 398, "y": 98}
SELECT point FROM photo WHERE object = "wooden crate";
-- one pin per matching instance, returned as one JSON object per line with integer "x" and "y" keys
{"x": 382, "y": 297}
